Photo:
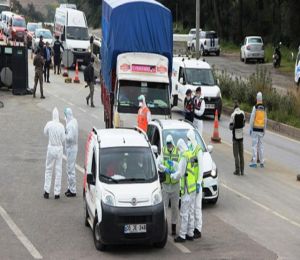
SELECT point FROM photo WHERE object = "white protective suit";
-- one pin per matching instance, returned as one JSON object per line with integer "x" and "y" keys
{"x": 170, "y": 191}
{"x": 198, "y": 202}
{"x": 187, "y": 200}
{"x": 199, "y": 105}
{"x": 56, "y": 133}
{"x": 142, "y": 104}
{"x": 71, "y": 148}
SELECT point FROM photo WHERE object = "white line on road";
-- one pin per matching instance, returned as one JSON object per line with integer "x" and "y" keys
{"x": 83, "y": 110}
{"x": 181, "y": 247}
{"x": 275, "y": 213}
{"x": 19, "y": 234}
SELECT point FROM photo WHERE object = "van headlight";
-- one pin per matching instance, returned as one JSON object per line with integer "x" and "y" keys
{"x": 108, "y": 199}
{"x": 156, "y": 197}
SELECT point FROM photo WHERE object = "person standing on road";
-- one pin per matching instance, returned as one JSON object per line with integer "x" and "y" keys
{"x": 170, "y": 188}
{"x": 189, "y": 106}
{"x": 197, "y": 167}
{"x": 41, "y": 43}
{"x": 71, "y": 151}
{"x": 38, "y": 63}
{"x": 89, "y": 78}
{"x": 199, "y": 108}
{"x": 236, "y": 125}
{"x": 187, "y": 191}
{"x": 56, "y": 133}
{"x": 57, "y": 47}
{"x": 258, "y": 125}
{"x": 47, "y": 57}
{"x": 144, "y": 114}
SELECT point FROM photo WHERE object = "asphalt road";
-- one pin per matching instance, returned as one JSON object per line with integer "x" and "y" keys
{"x": 256, "y": 217}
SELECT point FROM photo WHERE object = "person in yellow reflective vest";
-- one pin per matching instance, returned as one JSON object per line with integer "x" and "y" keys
{"x": 188, "y": 183}
{"x": 170, "y": 188}
{"x": 258, "y": 125}
{"x": 197, "y": 164}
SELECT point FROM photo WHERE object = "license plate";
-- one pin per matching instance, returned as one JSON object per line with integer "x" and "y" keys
{"x": 135, "y": 228}
{"x": 210, "y": 106}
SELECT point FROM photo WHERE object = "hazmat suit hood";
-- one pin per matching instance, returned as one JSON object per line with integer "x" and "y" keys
{"x": 259, "y": 97}
{"x": 182, "y": 147}
{"x": 68, "y": 114}
{"x": 142, "y": 101}
{"x": 192, "y": 137}
{"x": 170, "y": 139}
{"x": 55, "y": 115}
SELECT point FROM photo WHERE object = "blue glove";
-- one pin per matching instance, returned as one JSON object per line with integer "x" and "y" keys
{"x": 167, "y": 171}
{"x": 170, "y": 163}
{"x": 198, "y": 188}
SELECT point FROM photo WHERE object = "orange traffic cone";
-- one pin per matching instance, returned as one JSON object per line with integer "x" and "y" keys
{"x": 216, "y": 138}
{"x": 65, "y": 74}
{"x": 76, "y": 79}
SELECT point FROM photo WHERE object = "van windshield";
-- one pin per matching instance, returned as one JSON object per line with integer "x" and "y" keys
{"x": 127, "y": 165}
{"x": 77, "y": 33}
{"x": 156, "y": 93}
{"x": 199, "y": 77}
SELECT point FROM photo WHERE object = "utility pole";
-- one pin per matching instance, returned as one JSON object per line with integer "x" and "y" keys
{"x": 197, "y": 28}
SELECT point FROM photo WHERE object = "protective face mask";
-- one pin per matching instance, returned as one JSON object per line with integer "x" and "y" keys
{"x": 140, "y": 104}
{"x": 188, "y": 98}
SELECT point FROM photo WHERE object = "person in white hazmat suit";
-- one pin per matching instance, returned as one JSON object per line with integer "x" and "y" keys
{"x": 71, "y": 151}
{"x": 56, "y": 133}
{"x": 169, "y": 164}
{"x": 199, "y": 108}
{"x": 188, "y": 193}
{"x": 197, "y": 162}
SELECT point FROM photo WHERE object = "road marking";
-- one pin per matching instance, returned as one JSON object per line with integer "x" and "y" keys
{"x": 275, "y": 213}
{"x": 179, "y": 246}
{"x": 19, "y": 234}
{"x": 83, "y": 110}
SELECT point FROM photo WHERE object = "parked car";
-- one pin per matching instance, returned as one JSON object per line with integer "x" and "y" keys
{"x": 252, "y": 49}
{"x": 157, "y": 132}
{"x": 31, "y": 27}
{"x": 17, "y": 28}
{"x": 47, "y": 35}
{"x": 122, "y": 192}
{"x": 191, "y": 36}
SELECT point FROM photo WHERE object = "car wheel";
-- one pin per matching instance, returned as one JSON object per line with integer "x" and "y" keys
{"x": 96, "y": 234}
{"x": 213, "y": 201}
{"x": 298, "y": 83}
{"x": 162, "y": 243}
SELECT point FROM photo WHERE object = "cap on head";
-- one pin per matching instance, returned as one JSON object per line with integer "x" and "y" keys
{"x": 259, "y": 97}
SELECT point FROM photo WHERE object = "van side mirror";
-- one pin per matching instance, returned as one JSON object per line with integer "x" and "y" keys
{"x": 90, "y": 179}
{"x": 210, "y": 148}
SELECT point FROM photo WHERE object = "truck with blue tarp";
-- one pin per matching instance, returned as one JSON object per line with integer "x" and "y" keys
{"x": 136, "y": 52}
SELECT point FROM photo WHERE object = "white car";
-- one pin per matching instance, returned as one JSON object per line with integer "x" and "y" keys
{"x": 191, "y": 36}
{"x": 209, "y": 43}
{"x": 252, "y": 49}
{"x": 122, "y": 192}
{"x": 157, "y": 133}
{"x": 297, "y": 68}
{"x": 47, "y": 37}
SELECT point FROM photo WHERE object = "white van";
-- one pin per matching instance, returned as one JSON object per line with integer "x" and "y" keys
{"x": 122, "y": 194}
{"x": 71, "y": 26}
{"x": 190, "y": 74}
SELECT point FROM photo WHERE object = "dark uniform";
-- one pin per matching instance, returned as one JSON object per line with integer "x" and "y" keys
{"x": 57, "y": 46}
{"x": 38, "y": 62}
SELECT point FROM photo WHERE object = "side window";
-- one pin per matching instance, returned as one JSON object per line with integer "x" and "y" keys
{"x": 181, "y": 74}
{"x": 156, "y": 139}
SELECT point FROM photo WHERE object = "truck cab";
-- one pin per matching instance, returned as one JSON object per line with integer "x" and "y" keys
{"x": 141, "y": 74}
{"x": 122, "y": 194}
{"x": 190, "y": 74}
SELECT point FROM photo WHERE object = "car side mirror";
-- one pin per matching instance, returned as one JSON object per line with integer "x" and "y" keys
{"x": 155, "y": 149}
{"x": 210, "y": 148}
{"x": 90, "y": 179}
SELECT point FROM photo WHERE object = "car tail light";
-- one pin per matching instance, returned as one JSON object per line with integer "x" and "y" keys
{"x": 248, "y": 47}
{"x": 205, "y": 42}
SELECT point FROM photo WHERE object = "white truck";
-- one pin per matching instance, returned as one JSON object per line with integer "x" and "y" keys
{"x": 190, "y": 74}
{"x": 71, "y": 26}
{"x": 122, "y": 194}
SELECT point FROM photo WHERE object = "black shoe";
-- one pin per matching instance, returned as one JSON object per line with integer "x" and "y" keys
{"x": 46, "y": 195}
{"x": 87, "y": 101}
{"x": 92, "y": 105}
{"x": 197, "y": 234}
{"x": 43, "y": 97}
{"x": 173, "y": 229}
{"x": 56, "y": 197}
{"x": 242, "y": 173}
{"x": 189, "y": 238}
{"x": 236, "y": 173}
{"x": 179, "y": 240}
{"x": 68, "y": 193}
{"x": 48, "y": 81}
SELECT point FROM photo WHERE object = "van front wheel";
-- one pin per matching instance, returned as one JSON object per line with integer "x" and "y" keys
{"x": 96, "y": 234}
{"x": 162, "y": 243}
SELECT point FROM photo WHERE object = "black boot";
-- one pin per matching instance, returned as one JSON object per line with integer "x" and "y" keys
{"x": 197, "y": 233}
{"x": 179, "y": 240}
{"x": 189, "y": 238}
{"x": 173, "y": 229}
{"x": 68, "y": 193}
{"x": 46, "y": 195}
{"x": 56, "y": 197}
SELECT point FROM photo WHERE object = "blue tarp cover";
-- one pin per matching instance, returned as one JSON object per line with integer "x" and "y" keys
{"x": 134, "y": 26}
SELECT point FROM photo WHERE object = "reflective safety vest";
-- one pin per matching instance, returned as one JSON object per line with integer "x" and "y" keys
{"x": 195, "y": 162}
{"x": 142, "y": 119}
{"x": 259, "y": 118}
{"x": 188, "y": 181}
{"x": 173, "y": 156}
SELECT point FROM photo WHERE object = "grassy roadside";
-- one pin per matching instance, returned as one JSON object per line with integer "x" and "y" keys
{"x": 287, "y": 62}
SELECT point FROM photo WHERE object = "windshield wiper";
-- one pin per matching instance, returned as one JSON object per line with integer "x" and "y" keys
{"x": 134, "y": 179}
{"x": 206, "y": 84}
{"x": 108, "y": 178}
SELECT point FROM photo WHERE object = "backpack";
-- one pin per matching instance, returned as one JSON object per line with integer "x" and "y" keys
{"x": 86, "y": 73}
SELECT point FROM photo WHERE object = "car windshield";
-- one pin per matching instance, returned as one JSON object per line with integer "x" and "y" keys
{"x": 199, "y": 77}
{"x": 255, "y": 40}
{"x": 77, "y": 33}
{"x": 19, "y": 23}
{"x": 4, "y": 8}
{"x": 127, "y": 165}
{"x": 181, "y": 134}
{"x": 44, "y": 33}
{"x": 157, "y": 96}
{"x": 32, "y": 27}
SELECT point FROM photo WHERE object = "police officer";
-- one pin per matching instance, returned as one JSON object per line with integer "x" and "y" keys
{"x": 199, "y": 108}
{"x": 170, "y": 187}
{"x": 57, "y": 47}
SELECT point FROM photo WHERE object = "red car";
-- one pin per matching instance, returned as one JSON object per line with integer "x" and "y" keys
{"x": 17, "y": 28}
